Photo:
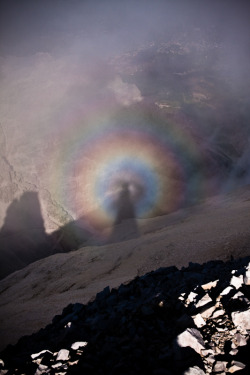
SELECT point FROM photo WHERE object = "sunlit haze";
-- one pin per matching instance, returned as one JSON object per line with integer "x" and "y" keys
{"x": 98, "y": 98}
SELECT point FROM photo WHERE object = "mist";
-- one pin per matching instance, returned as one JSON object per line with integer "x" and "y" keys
{"x": 78, "y": 78}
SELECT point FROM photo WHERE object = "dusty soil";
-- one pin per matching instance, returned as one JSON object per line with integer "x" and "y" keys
{"x": 215, "y": 229}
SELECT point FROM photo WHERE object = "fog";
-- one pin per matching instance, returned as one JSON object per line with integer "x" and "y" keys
{"x": 169, "y": 78}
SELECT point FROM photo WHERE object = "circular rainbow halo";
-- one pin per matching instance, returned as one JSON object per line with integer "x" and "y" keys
{"x": 111, "y": 162}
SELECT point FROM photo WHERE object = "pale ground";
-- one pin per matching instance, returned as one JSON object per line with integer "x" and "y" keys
{"x": 215, "y": 229}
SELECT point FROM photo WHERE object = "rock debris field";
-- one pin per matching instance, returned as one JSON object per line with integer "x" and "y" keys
{"x": 193, "y": 320}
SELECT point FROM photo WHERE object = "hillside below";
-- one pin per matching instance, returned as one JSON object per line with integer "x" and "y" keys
{"x": 217, "y": 229}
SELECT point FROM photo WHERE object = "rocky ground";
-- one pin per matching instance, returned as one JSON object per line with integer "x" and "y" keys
{"x": 193, "y": 320}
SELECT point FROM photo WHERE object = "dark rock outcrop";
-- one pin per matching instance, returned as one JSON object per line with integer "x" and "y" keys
{"x": 190, "y": 321}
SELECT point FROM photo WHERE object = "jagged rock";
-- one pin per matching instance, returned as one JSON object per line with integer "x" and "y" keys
{"x": 37, "y": 355}
{"x": 206, "y": 352}
{"x": 42, "y": 369}
{"x": 78, "y": 344}
{"x": 233, "y": 351}
{"x": 210, "y": 285}
{"x": 203, "y": 301}
{"x": 199, "y": 321}
{"x": 226, "y": 291}
{"x": 233, "y": 345}
{"x": 191, "y": 338}
{"x": 57, "y": 365}
{"x": 236, "y": 281}
{"x": 191, "y": 297}
{"x": 246, "y": 278}
{"x": 210, "y": 360}
{"x": 236, "y": 366}
{"x": 220, "y": 366}
{"x": 218, "y": 313}
{"x": 136, "y": 319}
{"x": 63, "y": 355}
{"x": 240, "y": 339}
{"x": 194, "y": 371}
{"x": 241, "y": 319}
{"x": 207, "y": 312}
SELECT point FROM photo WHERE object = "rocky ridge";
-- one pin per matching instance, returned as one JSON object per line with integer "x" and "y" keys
{"x": 195, "y": 320}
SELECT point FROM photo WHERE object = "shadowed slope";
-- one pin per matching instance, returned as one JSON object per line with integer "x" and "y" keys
{"x": 217, "y": 229}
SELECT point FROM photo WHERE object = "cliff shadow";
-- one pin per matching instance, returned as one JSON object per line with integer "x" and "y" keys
{"x": 22, "y": 237}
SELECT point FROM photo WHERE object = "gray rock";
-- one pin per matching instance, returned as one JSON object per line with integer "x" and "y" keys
{"x": 191, "y": 338}
{"x": 206, "y": 352}
{"x": 236, "y": 366}
{"x": 246, "y": 278}
{"x": 241, "y": 340}
{"x": 199, "y": 321}
{"x": 63, "y": 355}
{"x": 194, "y": 371}
{"x": 220, "y": 366}
{"x": 37, "y": 355}
{"x": 191, "y": 297}
{"x": 210, "y": 359}
{"x": 218, "y": 313}
{"x": 42, "y": 369}
{"x": 226, "y": 291}
{"x": 204, "y": 300}
{"x": 236, "y": 281}
{"x": 241, "y": 319}
{"x": 78, "y": 344}
{"x": 57, "y": 365}
{"x": 233, "y": 351}
{"x": 210, "y": 285}
{"x": 207, "y": 312}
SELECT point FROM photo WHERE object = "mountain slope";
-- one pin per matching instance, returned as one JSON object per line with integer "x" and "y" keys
{"x": 215, "y": 229}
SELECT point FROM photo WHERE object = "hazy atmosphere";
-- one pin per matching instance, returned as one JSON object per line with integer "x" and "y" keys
{"x": 124, "y": 187}
{"x": 113, "y": 110}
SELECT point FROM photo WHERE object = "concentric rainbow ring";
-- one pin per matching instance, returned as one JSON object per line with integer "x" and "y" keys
{"x": 99, "y": 154}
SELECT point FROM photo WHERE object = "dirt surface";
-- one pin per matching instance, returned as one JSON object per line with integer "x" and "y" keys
{"x": 215, "y": 229}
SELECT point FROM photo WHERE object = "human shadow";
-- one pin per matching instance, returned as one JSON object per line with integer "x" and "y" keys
{"x": 125, "y": 224}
